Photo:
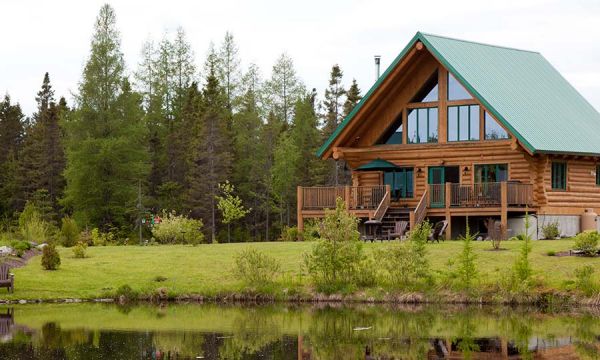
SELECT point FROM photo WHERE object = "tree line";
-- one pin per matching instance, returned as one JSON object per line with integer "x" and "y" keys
{"x": 177, "y": 130}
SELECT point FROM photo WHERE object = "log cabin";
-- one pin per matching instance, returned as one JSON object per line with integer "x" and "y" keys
{"x": 464, "y": 131}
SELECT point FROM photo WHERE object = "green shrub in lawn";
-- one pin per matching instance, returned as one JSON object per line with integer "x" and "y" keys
{"x": 551, "y": 231}
{"x": 178, "y": 229}
{"x": 521, "y": 273}
{"x": 32, "y": 227}
{"x": 587, "y": 242}
{"x": 255, "y": 268}
{"x": 551, "y": 253}
{"x": 69, "y": 232}
{"x": 467, "y": 273}
{"x": 20, "y": 247}
{"x": 337, "y": 259}
{"x": 584, "y": 281}
{"x": 50, "y": 258}
{"x": 289, "y": 233}
{"x": 79, "y": 250}
{"x": 101, "y": 238}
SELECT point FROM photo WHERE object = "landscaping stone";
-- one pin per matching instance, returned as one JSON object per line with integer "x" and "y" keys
{"x": 5, "y": 250}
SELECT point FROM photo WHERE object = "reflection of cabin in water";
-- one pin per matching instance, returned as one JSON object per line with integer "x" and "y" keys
{"x": 455, "y": 128}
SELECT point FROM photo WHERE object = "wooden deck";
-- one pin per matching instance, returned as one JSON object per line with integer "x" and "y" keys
{"x": 439, "y": 200}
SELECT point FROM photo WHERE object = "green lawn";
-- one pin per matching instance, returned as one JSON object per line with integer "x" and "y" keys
{"x": 206, "y": 269}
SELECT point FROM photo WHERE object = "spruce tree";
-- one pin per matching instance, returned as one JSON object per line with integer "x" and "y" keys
{"x": 12, "y": 132}
{"x": 106, "y": 152}
{"x": 283, "y": 89}
{"x": 210, "y": 162}
{"x": 352, "y": 98}
{"x": 229, "y": 71}
{"x": 332, "y": 118}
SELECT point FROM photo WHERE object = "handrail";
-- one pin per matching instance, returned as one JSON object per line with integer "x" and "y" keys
{"x": 383, "y": 205}
{"x": 421, "y": 209}
{"x": 356, "y": 197}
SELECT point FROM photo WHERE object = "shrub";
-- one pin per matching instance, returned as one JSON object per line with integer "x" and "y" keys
{"x": 50, "y": 258}
{"x": 125, "y": 293}
{"x": 583, "y": 280}
{"x": 467, "y": 272}
{"x": 69, "y": 232}
{"x": 521, "y": 276}
{"x": 587, "y": 242}
{"x": 20, "y": 247}
{"x": 160, "y": 278}
{"x": 551, "y": 231}
{"x": 335, "y": 259}
{"x": 255, "y": 268}
{"x": 496, "y": 232}
{"x": 34, "y": 229}
{"x": 551, "y": 253}
{"x": 289, "y": 233}
{"x": 79, "y": 250}
{"x": 178, "y": 229}
{"x": 100, "y": 238}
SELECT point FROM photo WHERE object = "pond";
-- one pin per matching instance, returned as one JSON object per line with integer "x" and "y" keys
{"x": 283, "y": 331}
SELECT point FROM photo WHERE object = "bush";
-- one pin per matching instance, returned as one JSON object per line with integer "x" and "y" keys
{"x": 178, "y": 229}
{"x": 583, "y": 280}
{"x": 522, "y": 271}
{"x": 34, "y": 229}
{"x": 467, "y": 272}
{"x": 50, "y": 258}
{"x": 335, "y": 260}
{"x": 79, "y": 250}
{"x": 20, "y": 247}
{"x": 100, "y": 238}
{"x": 551, "y": 231}
{"x": 551, "y": 253}
{"x": 125, "y": 293}
{"x": 69, "y": 232}
{"x": 496, "y": 232}
{"x": 289, "y": 233}
{"x": 255, "y": 268}
{"x": 587, "y": 242}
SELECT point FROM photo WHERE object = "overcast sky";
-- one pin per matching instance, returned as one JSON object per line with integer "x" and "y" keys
{"x": 54, "y": 36}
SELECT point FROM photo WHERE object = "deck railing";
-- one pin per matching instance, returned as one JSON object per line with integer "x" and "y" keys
{"x": 355, "y": 197}
{"x": 480, "y": 195}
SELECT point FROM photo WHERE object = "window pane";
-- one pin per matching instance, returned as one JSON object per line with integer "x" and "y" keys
{"x": 474, "y": 120}
{"x": 433, "y": 125}
{"x": 455, "y": 90}
{"x": 411, "y": 129}
{"x": 502, "y": 172}
{"x": 432, "y": 96}
{"x": 491, "y": 173}
{"x": 463, "y": 123}
{"x": 493, "y": 130}
{"x": 409, "y": 183}
{"x": 559, "y": 176}
{"x": 452, "y": 123}
{"x": 429, "y": 91}
{"x": 422, "y": 120}
{"x": 396, "y": 137}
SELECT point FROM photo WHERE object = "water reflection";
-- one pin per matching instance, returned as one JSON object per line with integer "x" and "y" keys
{"x": 96, "y": 331}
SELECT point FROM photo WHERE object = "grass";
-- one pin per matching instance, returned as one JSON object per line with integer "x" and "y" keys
{"x": 206, "y": 269}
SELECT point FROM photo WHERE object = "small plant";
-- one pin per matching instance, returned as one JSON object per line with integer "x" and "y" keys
{"x": 551, "y": 231}
{"x": 159, "y": 278}
{"x": 467, "y": 269}
{"x": 69, "y": 232}
{"x": 50, "y": 258}
{"x": 255, "y": 268}
{"x": 178, "y": 229}
{"x": 125, "y": 293}
{"x": 289, "y": 233}
{"x": 496, "y": 232}
{"x": 522, "y": 271}
{"x": 551, "y": 253}
{"x": 79, "y": 250}
{"x": 587, "y": 242}
{"x": 20, "y": 247}
{"x": 584, "y": 281}
{"x": 100, "y": 238}
{"x": 31, "y": 225}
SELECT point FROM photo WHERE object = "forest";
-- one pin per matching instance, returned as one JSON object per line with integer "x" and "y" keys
{"x": 175, "y": 132}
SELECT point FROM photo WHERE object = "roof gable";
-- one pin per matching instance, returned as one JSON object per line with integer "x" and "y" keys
{"x": 520, "y": 88}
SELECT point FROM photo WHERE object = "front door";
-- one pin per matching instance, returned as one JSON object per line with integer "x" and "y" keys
{"x": 436, "y": 181}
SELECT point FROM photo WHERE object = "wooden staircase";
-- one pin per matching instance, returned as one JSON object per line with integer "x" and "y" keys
{"x": 392, "y": 215}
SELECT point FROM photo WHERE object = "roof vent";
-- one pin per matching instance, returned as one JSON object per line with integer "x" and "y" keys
{"x": 377, "y": 66}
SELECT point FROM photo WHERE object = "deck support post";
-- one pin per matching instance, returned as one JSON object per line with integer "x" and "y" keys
{"x": 504, "y": 206}
{"x": 347, "y": 197}
{"x": 300, "y": 206}
{"x": 448, "y": 202}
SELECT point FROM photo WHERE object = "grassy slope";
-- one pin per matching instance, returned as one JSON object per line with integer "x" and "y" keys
{"x": 206, "y": 269}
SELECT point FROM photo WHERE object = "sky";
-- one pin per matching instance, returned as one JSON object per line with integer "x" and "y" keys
{"x": 54, "y": 36}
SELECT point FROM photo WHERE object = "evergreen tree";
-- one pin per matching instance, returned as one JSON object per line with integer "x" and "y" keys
{"x": 229, "y": 71}
{"x": 352, "y": 98}
{"x": 283, "y": 89}
{"x": 12, "y": 132}
{"x": 269, "y": 135}
{"x": 106, "y": 153}
{"x": 332, "y": 118}
{"x": 285, "y": 173}
{"x": 210, "y": 162}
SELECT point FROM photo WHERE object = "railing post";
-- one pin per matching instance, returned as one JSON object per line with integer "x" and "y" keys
{"x": 347, "y": 197}
{"x": 411, "y": 219}
{"x": 448, "y": 195}
{"x": 300, "y": 206}
{"x": 448, "y": 198}
{"x": 504, "y": 205}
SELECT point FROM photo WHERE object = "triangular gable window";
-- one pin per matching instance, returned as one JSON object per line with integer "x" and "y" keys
{"x": 493, "y": 130}
{"x": 429, "y": 91}
{"x": 456, "y": 91}
{"x": 394, "y": 133}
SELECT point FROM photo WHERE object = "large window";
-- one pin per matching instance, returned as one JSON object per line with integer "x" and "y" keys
{"x": 429, "y": 91}
{"x": 463, "y": 123}
{"x": 487, "y": 173}
{"x": 401, "y": 182}
{"x": 493, "y": 130}
{"x": 455, "y": 90}
{"x": 559, "y": 176}
{"x": 422, "y": 125}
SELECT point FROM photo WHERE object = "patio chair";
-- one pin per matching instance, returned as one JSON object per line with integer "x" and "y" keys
{"x": 438, "y": 229}
{"x": 399, "y": 230}
{"x": 7, "y": 279}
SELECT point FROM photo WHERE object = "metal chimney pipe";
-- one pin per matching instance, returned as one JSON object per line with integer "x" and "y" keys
{"x": 377, "y": 66}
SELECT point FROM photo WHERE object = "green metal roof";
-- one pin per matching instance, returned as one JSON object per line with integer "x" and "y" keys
{"x": 520, "y": 88}
{"x": 377, "y": 164}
